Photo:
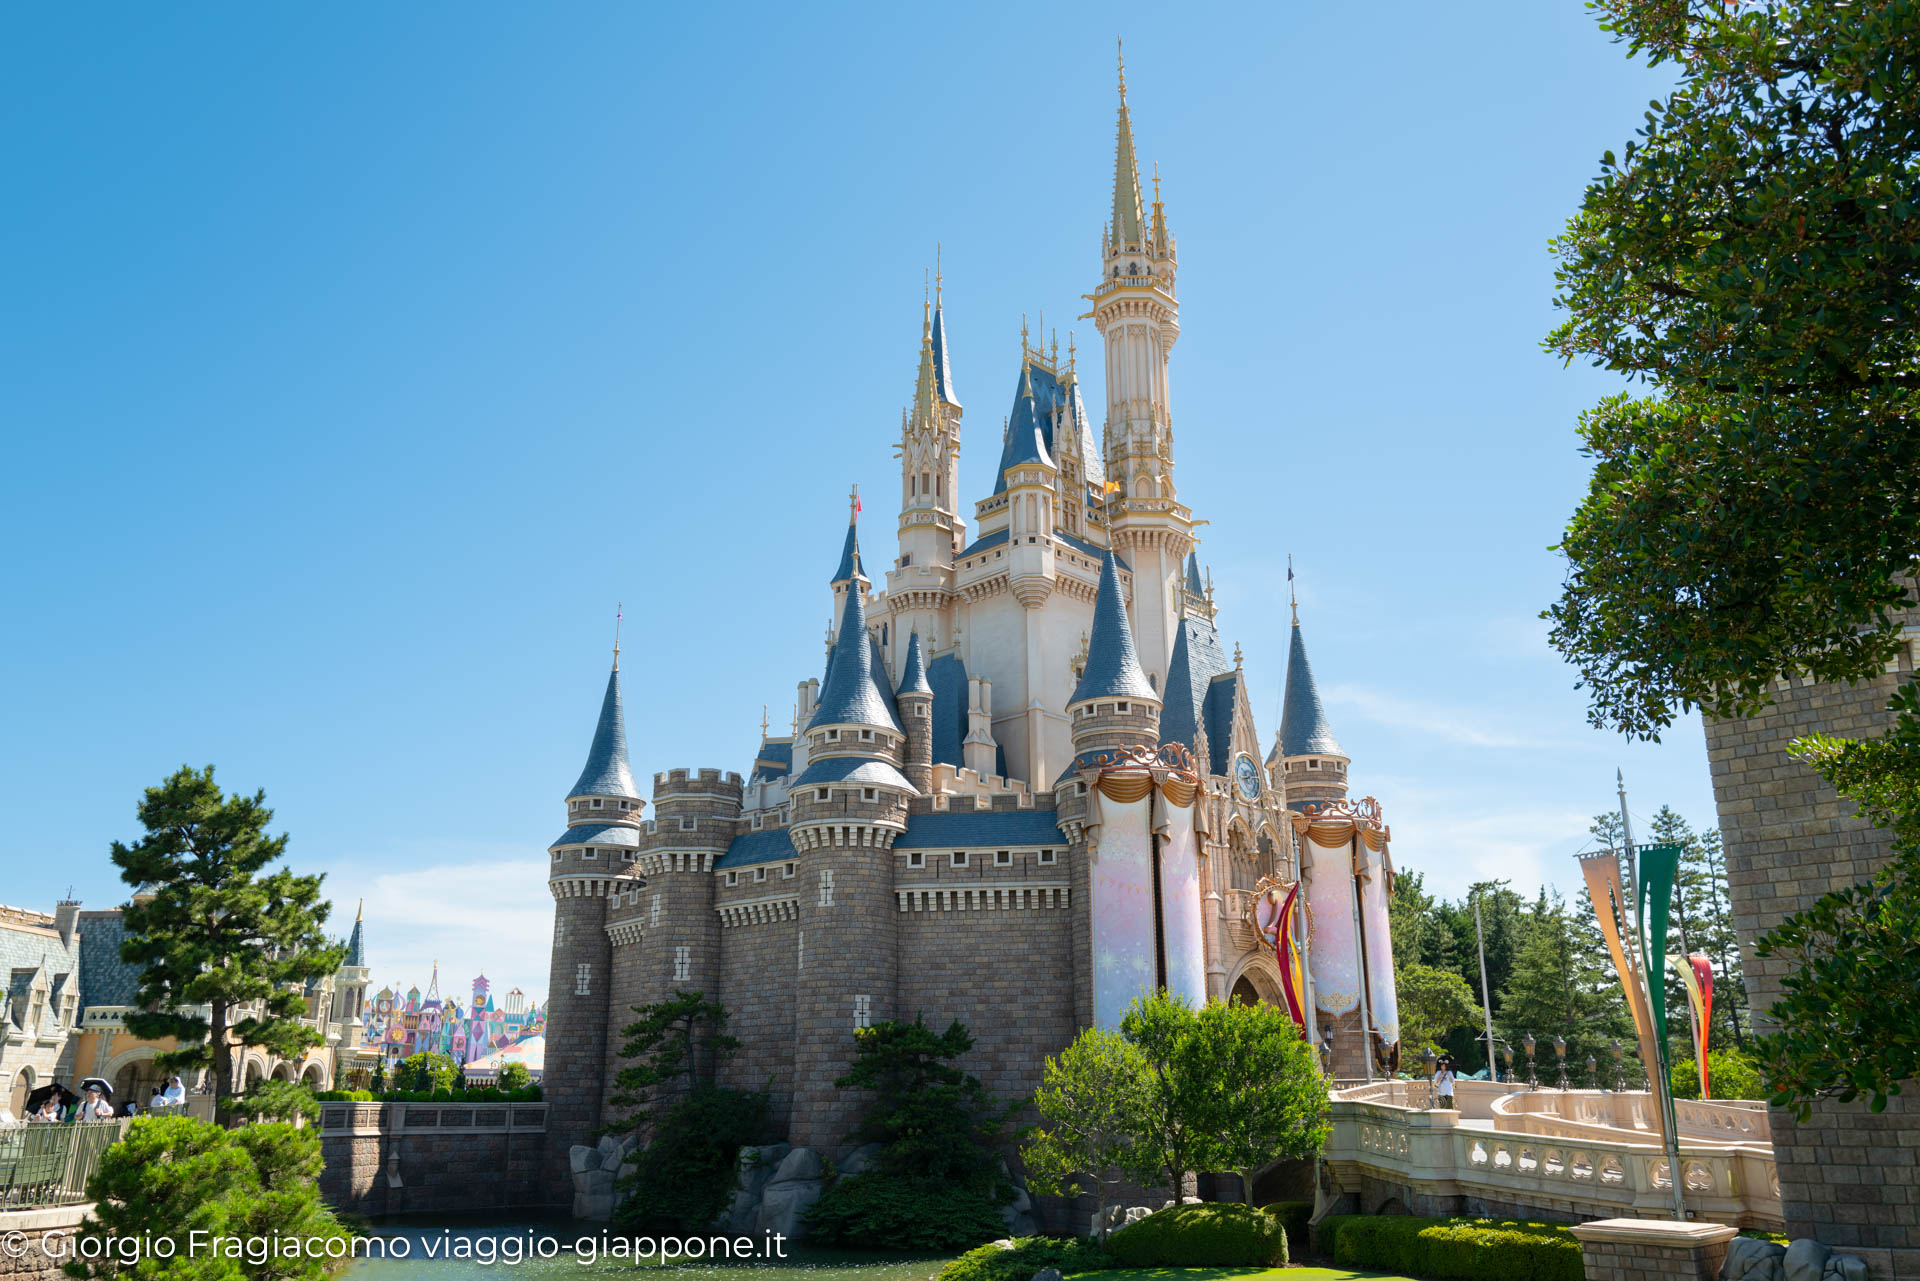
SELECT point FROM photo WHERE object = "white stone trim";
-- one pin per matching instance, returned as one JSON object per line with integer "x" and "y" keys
{"x": 759, "y": 911}
{"x": 989, "y": 897}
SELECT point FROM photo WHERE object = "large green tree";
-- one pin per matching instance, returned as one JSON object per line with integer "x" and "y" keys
{"x": 1092, "y": 1105}
{"x": 214, "y": 925}
{"x": 1556, "y": 990}
{"x": 1752, "y": 259}
{"x": 1261, "y": 1086}
{"x": 173, "y": 1175}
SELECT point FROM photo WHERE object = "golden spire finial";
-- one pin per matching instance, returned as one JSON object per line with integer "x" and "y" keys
{"x": 853, "y": 504}
{"x": 1120, "y": 49}
{"x": 619, "y": 612}
{"x": 763, "y": 720}
{"x": 936, "y": 271}
{"x": 1054, "y": 356}
{"x": 358, "y": 912}
{"x": 1071, "y": 356}
{"x": 1156, "y": 182}
{"x": 1236, "y": 654}
{"x": 1023, "y": 337}
{"x": 1292, "y": 600}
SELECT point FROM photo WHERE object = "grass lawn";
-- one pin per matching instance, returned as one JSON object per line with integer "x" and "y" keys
{"x": 1236, "y": 1274}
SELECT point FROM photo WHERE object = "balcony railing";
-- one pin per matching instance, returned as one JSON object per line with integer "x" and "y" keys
{"x": 49, "y": 1164}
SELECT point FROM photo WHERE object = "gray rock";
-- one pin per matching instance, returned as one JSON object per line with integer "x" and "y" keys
{"x": 1023, "y": 1203}
{"x": 799, "y": 1165}
{"x": 1750, "y": 1260}
{"x": 593, "y": 1205}
{"x": 785, "y": 1204}
{"x": 1053, "y": 1274}
{"x": 1845, "y": 1267}
{"x": 1023, "y": 1225}
{"x": 581, "y": 1159}
{"x": 1806, "y": 1259}
{"x": 860, "y": 1159}
{"x": 610, "y": 1145}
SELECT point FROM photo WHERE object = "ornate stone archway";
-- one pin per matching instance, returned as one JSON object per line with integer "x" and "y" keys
{"x": 1259, "y": 974}
{"x": 23, "y": 1082}
{"x": 133, "y": 1074}
{"x": 314, "y": 1076}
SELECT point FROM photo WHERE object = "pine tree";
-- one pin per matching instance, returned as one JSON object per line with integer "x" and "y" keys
{"x": 210, "y": 926}
{"x": 1555, "y": 990}
{"x": 1721, "y": 941}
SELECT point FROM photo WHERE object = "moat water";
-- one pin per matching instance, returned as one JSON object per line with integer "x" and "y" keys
{"x": 527, "y": 1248}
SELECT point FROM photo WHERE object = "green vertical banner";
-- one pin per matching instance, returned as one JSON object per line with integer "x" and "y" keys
{"x": 1659, "y": 864}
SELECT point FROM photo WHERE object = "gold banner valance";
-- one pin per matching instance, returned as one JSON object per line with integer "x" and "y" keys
{"x": 1124, "y": 787}
{"x": 1179, "y": 791}
{"x": 1335, "y": 832}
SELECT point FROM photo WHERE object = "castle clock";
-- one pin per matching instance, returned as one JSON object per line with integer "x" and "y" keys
{"x": 1246, "y": 775}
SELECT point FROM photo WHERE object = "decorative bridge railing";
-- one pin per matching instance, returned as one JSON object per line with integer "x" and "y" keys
{"x": 1587, "y": 1154}
{"x": 49, "y": 1164}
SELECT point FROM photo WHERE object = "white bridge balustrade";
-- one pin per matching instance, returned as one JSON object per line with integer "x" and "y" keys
{"x": 1566, "y": 1154}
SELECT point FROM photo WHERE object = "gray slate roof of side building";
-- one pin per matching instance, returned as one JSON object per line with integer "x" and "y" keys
{"x": 105, "y": 979}
{"x": 1113, "y": 667}
{"x": 1304, "y": 730}
{"x": 1219, "y": 713}
{"x": 607, "y": 773}
{"x": 749, "y": 848}
{"x": 1194, "y": 584}
{"x": 979, "y": 829}
{"x": 913, "y": 674}
{"x": 772, "y": 760}
{"x": 948, "y": 676}
{"x": 357, "y": 944}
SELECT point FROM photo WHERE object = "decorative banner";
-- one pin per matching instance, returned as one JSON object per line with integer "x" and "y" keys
{"x": 1180, "y": 892}
{"x": 1658, "y": 866}
{"x": 1383, "y": 1002}
{"x": 1697, "y": 972}
{"x": 1275, "y": 920}
{"x": 1333, "y": 949}
{"x": 1123, "y": 942}
{"x": 1604, "y": 887}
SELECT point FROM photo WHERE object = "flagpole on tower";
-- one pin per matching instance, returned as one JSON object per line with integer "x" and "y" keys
{"x": 619, "y": 612}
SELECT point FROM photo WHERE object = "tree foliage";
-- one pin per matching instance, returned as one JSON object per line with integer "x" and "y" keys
{"x": 173, "y": 1174}
{"x": 1558, "y": 988}
{"x": 1433, "y": 1003}
{"x": 1753, "y": 257}
{"x": 426, "y": 1071}
{"x": 694, "y": 1127}
{"x": 1091, "y": 1100}
{"x": 212, "y": 926}
{"x": 935, "y": 1178}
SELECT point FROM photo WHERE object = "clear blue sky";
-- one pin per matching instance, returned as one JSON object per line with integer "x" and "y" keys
{"x": 359, "y": 359}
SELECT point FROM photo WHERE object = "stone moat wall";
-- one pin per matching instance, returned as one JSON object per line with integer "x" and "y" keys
{"x": 411, "y": 1158}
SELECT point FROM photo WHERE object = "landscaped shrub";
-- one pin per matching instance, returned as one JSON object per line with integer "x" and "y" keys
{"x": 1293, "y": 1216}
{"x": 1207, "y": 1234}
{"x": 1028, "y": 1255}
{"x": 488, "y": 1094}
{"x": 1454, "y": 1249}
{"x": 873, "y": 1210}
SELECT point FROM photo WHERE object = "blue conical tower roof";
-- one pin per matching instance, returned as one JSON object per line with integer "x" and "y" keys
{"x": 356, "y": 942}
{"x": 607, "y": 773}
{"x": 849, "y": 554}
{"x": 913, "y": 675}
{"x": 1113, "y": 667}
{"x": 1304, "y": 730}
{"x": 850, "y": 695}
{"x": 942, "y": 368}
{"x": 1194, "y": 584}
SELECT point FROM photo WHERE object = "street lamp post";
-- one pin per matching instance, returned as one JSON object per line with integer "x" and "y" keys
{"x": 1619, "y": 1068}
{"x": 1506, "y": 1052}
{"x": 1533, "y": 1080}
{"x": 1593, "y": 1072}
{"x": 1560, "y": 1052}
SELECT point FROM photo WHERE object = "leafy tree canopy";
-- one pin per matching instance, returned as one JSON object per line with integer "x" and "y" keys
{"x": 1753, "y": 256}
{"x": 212, "y": 926}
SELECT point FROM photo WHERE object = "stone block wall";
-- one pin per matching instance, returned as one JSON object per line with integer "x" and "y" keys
{"x": 410, "y": 1158}
{"x": 1848, "y": 1177}
{"x": 33, "y": 1262}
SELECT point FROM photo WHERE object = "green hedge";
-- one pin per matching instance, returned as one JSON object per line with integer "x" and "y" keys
{"x": 1028, "y": 1256}
{"x": 1454, "y": 1249}
{"x": 1293, "y": 1216}
{"x": 487, "y": 1095}
{"x": 1209, "y": 1234}
{"x": 871, "y": 1211}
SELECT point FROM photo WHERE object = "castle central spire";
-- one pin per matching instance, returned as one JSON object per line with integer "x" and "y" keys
{"x": 1129, "y": 220}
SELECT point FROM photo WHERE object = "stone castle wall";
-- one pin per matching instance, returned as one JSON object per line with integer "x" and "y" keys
{"x": 1848, "y": 1177}
{"x": 410, "y": 1158}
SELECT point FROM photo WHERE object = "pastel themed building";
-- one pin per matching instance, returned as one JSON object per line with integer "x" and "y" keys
{"x": 1028, "y": 786}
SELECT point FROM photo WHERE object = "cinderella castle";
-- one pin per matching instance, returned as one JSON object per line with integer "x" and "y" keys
{"x": 1027, "y": 788}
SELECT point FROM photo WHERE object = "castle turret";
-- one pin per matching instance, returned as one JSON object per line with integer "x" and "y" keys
{"x": 847, "y": 808}
{"x": 590, "y": 862}
{"x": 915, "y": 702}
{"x": 1138, "y": 316}
{"x": 1312, "y": 765}
{"x": 930, "y": 526}
{"x": 1113, "y": 705}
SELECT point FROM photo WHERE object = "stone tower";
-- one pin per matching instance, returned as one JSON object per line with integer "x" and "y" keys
{"x": 1113, "y": 706}
{"x": 914, "y": 701}
{"x": 1138, "y": 317}
{"x": 847, "y": 808}
{"x": 592, "y": 861}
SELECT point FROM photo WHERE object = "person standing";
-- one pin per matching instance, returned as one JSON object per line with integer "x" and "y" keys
{"x": 1443, "y": 1085}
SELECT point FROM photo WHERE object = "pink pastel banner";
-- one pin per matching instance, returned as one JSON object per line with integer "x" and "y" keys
{"x": 1332, "y": 953}
{"x": 1123, "y": 944}
{"x": 1180, "y": 904}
